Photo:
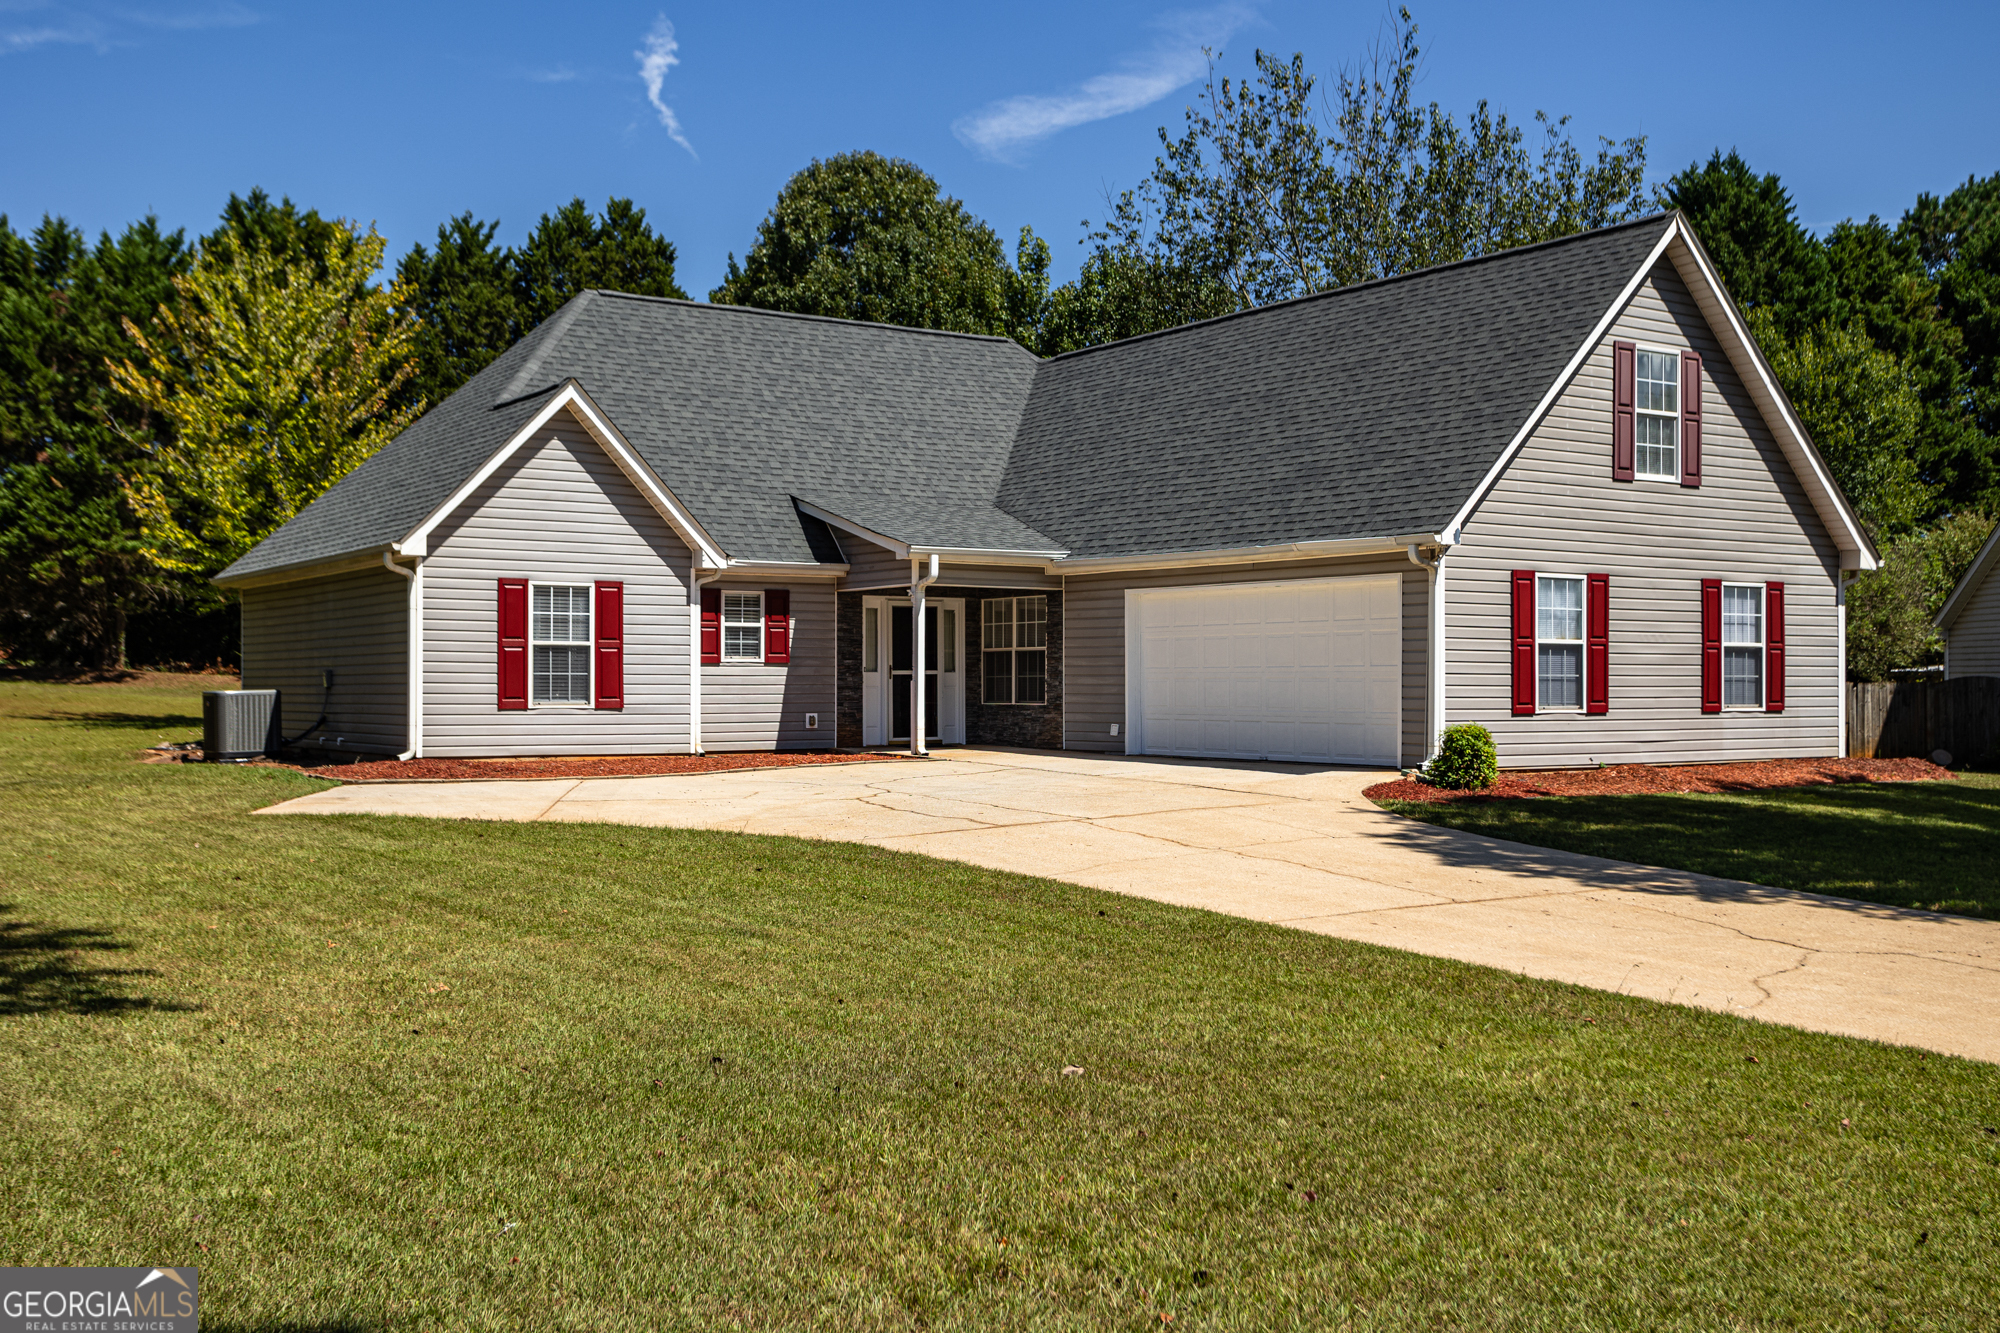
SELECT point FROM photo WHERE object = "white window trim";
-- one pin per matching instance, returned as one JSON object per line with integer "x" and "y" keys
{"x": 763, "y": 628}
{"x": 1763, "y": 647}
{"x": 1582, "y": 643}
{"x": 589, "y": 643}
{"x": 1673, "y": 474}
{"x": 1013, "y": 672}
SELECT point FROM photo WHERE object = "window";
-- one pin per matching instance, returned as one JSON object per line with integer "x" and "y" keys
{"x": 1014, "y": 637}
{"x": 559, "y": 641}
{"x": 1559, "y": 642}
{"x": 1658, "y": 420}
{"x": 1742, "y": 645}
{"x": 743, "y": 627}
{"x": 868, "y": 633}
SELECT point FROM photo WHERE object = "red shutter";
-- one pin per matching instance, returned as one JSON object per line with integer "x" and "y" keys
{"x": 1624, "y": 402}
{"x": 1711, "y": 645}
{"x": 777, "y": 626}
{"x": 513, "y": 622}
{"x": 1690, "y": 418}
{"x": 711, "y": 626}
{"x": 1524, "y": 641}
{"x": 608, "y": 623}
{"x": 1597, "y": 644}
{"x": 1774, "y": 648}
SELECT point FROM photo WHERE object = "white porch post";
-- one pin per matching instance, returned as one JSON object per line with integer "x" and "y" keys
{"x": 918, "y": 583}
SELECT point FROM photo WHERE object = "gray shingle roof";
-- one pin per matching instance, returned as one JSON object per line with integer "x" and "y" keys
{"x": 1369, "y": 411}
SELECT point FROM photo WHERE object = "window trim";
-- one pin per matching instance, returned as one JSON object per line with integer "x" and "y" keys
{"x": 1763, "y": 646}
{"x": 1581, "y": 643}
{"x": 1672, "y": 474}
{"x": 1013, "y": 652}
{"x": 723, "y": 626}
{"x": 588, "y": 643}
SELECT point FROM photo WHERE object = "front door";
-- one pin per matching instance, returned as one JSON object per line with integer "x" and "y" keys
{"x": 902, "y": 665}
{"x": 888, "y": 661}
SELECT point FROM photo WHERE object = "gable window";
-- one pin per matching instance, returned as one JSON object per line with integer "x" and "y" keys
{"x": 1014, "y": 637}
{"x": 1559, "y": 642}
{"x": 1742, "y": 645}
{"x": 1657, "y": 421}
{"x": 559, "y": 643}
{"x": 743, "y": 627}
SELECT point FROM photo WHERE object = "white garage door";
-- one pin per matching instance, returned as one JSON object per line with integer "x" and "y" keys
{"x": 1308, "y": 671}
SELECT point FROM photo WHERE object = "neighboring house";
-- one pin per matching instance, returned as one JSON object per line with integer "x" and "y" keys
{"x": 1970, "y": 620}
{"x": 1554, "y": 490}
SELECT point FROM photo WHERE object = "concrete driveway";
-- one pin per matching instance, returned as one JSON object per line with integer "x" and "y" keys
{"x": 1302, "y": 847}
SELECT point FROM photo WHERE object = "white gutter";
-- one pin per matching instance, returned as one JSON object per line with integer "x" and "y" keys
{"x": 696, "y": 578}
{"x": 918, "y": 583}
{"x": 1234, "y": 555}
{"x": 1434, "y": 696}
{"x": 414, "y": 652}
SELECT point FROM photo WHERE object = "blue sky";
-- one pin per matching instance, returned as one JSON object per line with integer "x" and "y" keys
{"x": 406, "y": 114}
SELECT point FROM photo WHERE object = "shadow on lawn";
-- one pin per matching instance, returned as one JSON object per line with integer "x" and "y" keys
{"x": 42, "y": 971}
{"x": 121, "y": 721}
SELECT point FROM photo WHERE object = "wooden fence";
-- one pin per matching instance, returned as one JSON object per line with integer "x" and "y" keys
{"x": 1896, "y": 719}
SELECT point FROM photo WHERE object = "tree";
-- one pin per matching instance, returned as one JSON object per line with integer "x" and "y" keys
{"x": 861, "y": 236}
{"x": 1121, "y": 293}
{"x": 1862, "y": 409}
{"x": 276, "y": 382}
{"x": 1274, "y": 192}
{"x": 72, "y": 575}
{"x": 473, "y": 300}
{"x": 1747, "y": 224}
{"x": 1889, "y": 610}
{"x": 1957, "y": 239}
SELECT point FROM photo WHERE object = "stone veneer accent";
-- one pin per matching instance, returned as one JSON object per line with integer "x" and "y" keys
{"x": 1036, "y": 726}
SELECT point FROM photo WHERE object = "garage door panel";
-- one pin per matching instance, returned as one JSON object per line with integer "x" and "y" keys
{"x": 1308, "y": 671}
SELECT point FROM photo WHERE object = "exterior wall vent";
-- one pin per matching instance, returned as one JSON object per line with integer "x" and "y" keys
{"x": 239, "y": 725}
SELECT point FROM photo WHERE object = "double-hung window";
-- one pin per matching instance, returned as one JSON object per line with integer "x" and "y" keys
{"x": 1742, "y": 645}
{"x": 1657, "y": 421}
{"x": 559, "y": 643}
{"x": 1559, "y": 642}
{"x": 743, "y": 627}
{"x": 1014, "y": 637}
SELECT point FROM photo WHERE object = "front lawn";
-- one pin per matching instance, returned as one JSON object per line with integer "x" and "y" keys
{"x": 1933, "y": 845}
{"x": 375, "y": 1073}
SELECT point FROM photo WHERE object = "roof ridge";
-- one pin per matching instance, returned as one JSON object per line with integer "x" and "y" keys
{"x": 552, "y": 330}
{"x": 721, "y": 306}
{"x": 1511, "y": 251}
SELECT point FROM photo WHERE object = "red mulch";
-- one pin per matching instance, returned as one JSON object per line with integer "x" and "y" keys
{"x": 1645, "y": 779}
{"x": 617, "y": 766}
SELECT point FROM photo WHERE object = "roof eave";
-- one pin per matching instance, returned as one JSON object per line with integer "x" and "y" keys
{"x": 1982, "y": 565}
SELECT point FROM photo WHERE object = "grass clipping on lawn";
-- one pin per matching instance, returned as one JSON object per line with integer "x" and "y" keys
{"x": 399, "y": 1074}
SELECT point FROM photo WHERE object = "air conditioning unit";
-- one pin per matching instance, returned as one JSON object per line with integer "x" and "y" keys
{"x": 237, "y": 725}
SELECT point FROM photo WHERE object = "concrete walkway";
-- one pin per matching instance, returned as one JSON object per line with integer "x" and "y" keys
{"x": 1302, "y": 847}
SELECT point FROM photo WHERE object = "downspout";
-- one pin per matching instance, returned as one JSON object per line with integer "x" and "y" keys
{"x": 415, "y": 654}
{"x": 1840, "y": 586}
{"x": 918, "y": 583}
{"x": 695, "y": 581}
{"x": 1434, "y": 696}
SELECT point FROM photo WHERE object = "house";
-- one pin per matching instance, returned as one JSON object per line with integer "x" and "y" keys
{"x": 1970, "y": 618}
{"x": 1554, "y": 490}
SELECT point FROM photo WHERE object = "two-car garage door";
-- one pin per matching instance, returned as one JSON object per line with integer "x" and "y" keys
{"x": 1308, "y": 670}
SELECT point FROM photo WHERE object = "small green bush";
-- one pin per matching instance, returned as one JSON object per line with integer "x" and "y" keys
{"x": 1466, "y": 759}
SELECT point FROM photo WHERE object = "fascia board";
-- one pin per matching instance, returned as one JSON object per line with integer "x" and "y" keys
{"x": 1243, "y": 555}
{"x": 901, "y": 550}
{"x": 369, "y": 558}
{"x": 998, "y": 556}
{"x": 1982, "y": 565}
{"x": 1748, "y": 361}
{"x": 787, "y": 568}
{"x": 572, "y": 398}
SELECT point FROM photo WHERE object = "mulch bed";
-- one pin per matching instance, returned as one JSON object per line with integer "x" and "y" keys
{"x": 615, "y": 766}
{"x": 1646, "y": 780}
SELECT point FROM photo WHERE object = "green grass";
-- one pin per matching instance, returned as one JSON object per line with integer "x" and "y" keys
{"x": 707, "y": 1081}
{"x": 1931, "y": 845}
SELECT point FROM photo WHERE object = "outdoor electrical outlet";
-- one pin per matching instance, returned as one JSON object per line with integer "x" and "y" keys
{"x": 812, "y": 721}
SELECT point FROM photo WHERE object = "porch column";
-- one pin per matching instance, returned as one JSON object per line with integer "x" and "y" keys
{"x": 919, "y": 581}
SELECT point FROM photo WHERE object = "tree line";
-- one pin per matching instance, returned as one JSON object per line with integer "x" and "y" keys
{"x": 165, "y": 403}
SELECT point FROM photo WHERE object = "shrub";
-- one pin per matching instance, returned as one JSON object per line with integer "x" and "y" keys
{"x": 1466, "y": 759}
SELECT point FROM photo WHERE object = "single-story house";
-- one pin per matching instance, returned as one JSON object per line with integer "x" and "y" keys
{"x": 1970, "y": 617}
{"x": 1554, "y": 490}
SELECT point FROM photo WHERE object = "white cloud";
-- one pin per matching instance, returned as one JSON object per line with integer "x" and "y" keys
{"x": 106, "y": 26}
{"x": 660, "y": 55}
{"x": 560, "y": 74}
{"x": 1002, "y": 129}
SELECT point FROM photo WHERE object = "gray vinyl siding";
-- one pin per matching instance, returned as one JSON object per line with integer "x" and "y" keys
{"x": 1975, "y": 635}
{"x": 756, "y": 706}
{"x": 874, "y": 569}
{"x": 1557, "y": 510}
{"x": 871, "y": 566}
{"x": 353, "y": 624}
{"x": 559, "y": 511}
{"x": 1094, "y": 639}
